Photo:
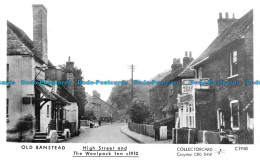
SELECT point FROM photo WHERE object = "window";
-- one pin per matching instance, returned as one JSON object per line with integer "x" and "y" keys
{"x": 64, "y": 114}
{"x": 234, "y": 105}
{"x": 188, "y": 117}
{"x": 48, "y": 111}
{"x": 233, "y": 63}
{"x": 7, "y": 108}
{"x": 7, "y": 74}
{"x": 170, "y": 90}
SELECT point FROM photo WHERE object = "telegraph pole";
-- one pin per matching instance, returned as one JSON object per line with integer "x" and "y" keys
{"x": 132, "y": 67}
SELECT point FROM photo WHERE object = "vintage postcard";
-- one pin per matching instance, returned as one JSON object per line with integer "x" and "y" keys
{"x": 133, "y": 80}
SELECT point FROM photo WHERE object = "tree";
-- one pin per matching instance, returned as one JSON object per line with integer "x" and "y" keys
{"x": 139, "y": 112}
{"x": 79, "y": 90}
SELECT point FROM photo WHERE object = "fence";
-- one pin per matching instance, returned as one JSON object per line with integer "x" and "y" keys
{"x": 84, "y": 123}
{"x": 244, "y": 138}
{"x": 147, "y": 130}
{"x": 193, "y": 136}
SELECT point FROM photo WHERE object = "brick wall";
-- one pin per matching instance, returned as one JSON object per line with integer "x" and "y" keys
{"x": 158, "y": 98}
{"x": 218, "y": 69}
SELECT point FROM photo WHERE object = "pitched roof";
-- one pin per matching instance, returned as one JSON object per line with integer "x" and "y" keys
{"x": 169, "y": 77}
{"x": 187, "y": 72}
{"x": 22, "y": 36}
{"x": 24, "y": 39}
{"x": 235, "y": 31}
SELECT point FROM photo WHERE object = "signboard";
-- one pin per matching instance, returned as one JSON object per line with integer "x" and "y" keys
{"x": 26, "y": 100}
{"x": 53, "y": 74}
{"x": 187, "y": 88}
{"x": 189, "y": 85}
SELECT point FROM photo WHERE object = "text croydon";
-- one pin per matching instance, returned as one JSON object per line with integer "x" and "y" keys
{"x": 98, "y": 82}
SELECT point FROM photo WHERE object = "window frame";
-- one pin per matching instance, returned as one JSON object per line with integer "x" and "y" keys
{"x": 48, "y": 111}
{"x": 231, "y": 64}
{"x": 232, "y": 115}
{"x": 7, "y": 108}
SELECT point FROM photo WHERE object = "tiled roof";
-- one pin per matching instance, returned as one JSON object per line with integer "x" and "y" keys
{"x": 24, "y": 40}
{"x": 61, "y": 99}
{"x": 170, "y": 77}
{"x": 187, "y": 72}
{"x": 21, "y": 35}
{"x": 45, "y": 92}
{"x": 233, "y": 32}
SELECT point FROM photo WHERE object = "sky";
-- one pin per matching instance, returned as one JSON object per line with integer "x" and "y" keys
{"x": 104, "y": 37}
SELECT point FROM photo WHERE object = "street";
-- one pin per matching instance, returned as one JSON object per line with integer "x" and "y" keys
{"x": 107, "y": 133}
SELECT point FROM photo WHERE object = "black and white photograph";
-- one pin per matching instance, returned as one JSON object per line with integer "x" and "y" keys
{"x": 130, "y": 79}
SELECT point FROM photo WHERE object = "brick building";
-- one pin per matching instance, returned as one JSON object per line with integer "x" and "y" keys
{"x": 101, "y": 109}
{"x": 158, "y": 100}
{"x": 229, "y": 58}
{"x": 176, "y": 77}
{"x": 163, "y": 98}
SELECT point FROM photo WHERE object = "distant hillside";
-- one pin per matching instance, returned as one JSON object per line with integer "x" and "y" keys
{"x": 160, "y": 76}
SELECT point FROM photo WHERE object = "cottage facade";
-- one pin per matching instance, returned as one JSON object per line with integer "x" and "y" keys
{"x": 229, "y": 58}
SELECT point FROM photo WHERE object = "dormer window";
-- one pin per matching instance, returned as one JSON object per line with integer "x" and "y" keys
{"x": 233, "y": 63}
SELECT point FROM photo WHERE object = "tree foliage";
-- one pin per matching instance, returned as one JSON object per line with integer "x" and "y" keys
{"x": 79, "y": 90}
{"x": 121, "y": 94}
{"x": 139, "y": 112}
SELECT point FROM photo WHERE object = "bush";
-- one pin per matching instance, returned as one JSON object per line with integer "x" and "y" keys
{"x": 139, "y": 112}
{"x": 22, "y": 131}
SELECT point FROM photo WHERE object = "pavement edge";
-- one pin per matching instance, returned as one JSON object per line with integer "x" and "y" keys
{"x": 135, "y": 139}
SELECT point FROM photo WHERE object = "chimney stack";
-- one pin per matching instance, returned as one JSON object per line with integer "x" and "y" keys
{"x": 224, "y": 22}
{"x": 176, "y": 64}
{"x": 187, "y": 59}
{"x": 69, "y": 65}
{"x": 40, "y": 40}
{"x": 70, "y": 76}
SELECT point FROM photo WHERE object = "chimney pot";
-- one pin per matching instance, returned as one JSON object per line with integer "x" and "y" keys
{"x": 225, "y": 22}
{"x": 220, "y": 15}
{"x": 190, "y": 54}
{"x": 226, "y": 15}
{"x": 186, "y": 54}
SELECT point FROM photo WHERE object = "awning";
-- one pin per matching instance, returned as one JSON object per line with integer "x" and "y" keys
{"x": 48, "y": 95}
{"x": 61, "y": 99}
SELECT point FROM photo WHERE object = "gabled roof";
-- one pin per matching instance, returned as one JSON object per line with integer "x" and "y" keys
{"x": 22, "y": 36}
{"x": 235, "y": 31}
{"x": 24, "y": 40}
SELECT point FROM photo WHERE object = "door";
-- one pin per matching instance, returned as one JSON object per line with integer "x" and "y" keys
{"x": 37, "y": 111}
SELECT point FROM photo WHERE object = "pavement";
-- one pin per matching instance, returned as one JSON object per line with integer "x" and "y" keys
{"x": 142, "y": 139}
{"x": 106, "y": 133}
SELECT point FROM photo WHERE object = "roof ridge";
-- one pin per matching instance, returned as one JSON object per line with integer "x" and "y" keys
{"x": 228, "y": 35}
{"x": 21, "y": 35}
